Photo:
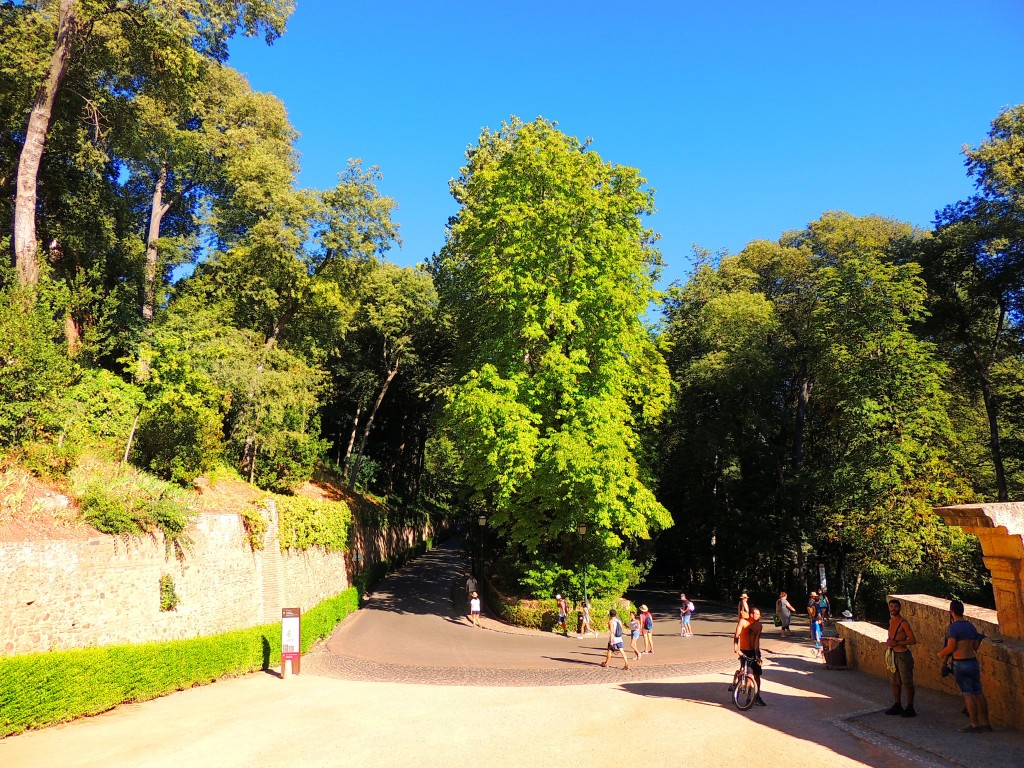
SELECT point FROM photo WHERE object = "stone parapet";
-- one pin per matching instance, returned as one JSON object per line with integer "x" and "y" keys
{"x": 1001, "y": 658}
{"x": 999, "y": 528}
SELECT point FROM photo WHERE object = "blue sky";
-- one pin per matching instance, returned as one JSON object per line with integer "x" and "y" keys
{"x": 747, "y": 118}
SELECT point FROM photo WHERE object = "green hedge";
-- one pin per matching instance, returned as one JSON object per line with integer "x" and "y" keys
{"x": 543, "y": 614}
{"x": 42, "y": 689}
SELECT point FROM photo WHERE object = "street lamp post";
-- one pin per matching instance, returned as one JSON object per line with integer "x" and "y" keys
{"x": 482, "y": 522}
{"x": 581, "y": 529}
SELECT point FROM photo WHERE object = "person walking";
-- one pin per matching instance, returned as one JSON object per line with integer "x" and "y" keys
{"x": 474, "y": 609}
{"x": 614, "y": 640}
{"x": 634, "y": 635}
{"x": 962, "y": 641}
{"x": 899, "y": 660}
{"x": 563, "y": 613}
{"x": 685, "y": 613}
{"x": 585, "y": 627}
{"x": 824, "y": 609}
{"x": 785, "y": 611}
{"x": 747, "y": 642}
{"x": 471, "y": 585}
{"x": 647, "y": 629}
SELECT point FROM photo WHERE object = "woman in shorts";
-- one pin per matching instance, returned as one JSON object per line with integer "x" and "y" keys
{"x": 634, "y": 635}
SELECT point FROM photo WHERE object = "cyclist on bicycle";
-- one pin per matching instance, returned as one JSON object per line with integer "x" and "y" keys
{"x": 747, "y": 642}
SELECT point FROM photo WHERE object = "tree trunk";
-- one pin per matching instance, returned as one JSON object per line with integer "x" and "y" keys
{"x": 992, "y": 411}
{"x": 369, "y": 425}
{"x": 803, "y": 397}
{"x": 156, "y": 215}
{"x": 25, "y": 246}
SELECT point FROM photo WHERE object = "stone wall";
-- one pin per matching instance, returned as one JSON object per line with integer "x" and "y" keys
{"x": 1001, "y": 658}
{"x": 105, "y": 590}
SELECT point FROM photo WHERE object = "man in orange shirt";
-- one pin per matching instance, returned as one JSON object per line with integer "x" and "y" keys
{"x": 747, "y": 642}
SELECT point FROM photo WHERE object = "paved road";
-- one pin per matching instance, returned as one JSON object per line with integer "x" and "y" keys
{"x": 407, "y": 682}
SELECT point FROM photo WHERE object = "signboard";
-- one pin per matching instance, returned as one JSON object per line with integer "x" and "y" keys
{"x": 290, "y": 637}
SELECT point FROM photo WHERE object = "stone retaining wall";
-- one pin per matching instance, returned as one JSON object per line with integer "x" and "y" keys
{"x": 1001, "y": 658}
{"x": 105, "y": 590}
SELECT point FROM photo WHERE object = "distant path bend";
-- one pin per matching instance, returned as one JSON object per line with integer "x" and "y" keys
{"x": 412, "y": 631}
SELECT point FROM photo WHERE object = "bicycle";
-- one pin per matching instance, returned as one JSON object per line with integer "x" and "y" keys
{"x": 744, "y": 686}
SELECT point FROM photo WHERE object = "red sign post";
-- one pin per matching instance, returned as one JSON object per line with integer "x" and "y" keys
{"x": 291, "y": 634}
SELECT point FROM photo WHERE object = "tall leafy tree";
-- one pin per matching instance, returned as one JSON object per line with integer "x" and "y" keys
{"x": 546, "y": 272}
{"x": 974, "y": 267}
{"x": 103, "y": 36}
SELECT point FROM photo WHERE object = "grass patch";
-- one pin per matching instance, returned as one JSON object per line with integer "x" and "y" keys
{"x": 42, "y": 689}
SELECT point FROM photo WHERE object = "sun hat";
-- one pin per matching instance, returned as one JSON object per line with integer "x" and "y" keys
{"x": 643, "y": 608}
{"x": 744, "y": 595}
{"x": 814, "y": 594}
{"x": 558, "y": 597}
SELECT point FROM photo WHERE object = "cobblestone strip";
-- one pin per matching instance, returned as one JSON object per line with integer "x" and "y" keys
{"x": 323, "y": 663}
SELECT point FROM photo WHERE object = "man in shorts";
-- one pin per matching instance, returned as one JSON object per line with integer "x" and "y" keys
{"x": 685, "y": 613}
{"x": 901, "y": 673}
{"x": 615, "y": 639}
{"x": 962, "y": 641}
{"x": 563, "y": 613}
{"x": 747, "y": 642}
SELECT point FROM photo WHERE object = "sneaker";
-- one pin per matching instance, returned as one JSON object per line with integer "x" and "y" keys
{"x": 909, "y": 712}
{"x": 895, "y": 709}
{"x": 625, "y": 667}
{"x": 760, "y": 702}
{"x": 732, "y": 688}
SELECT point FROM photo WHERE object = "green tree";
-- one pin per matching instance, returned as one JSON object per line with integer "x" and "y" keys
{"x": 110, "y": 39}
{"x": 546, "y": 272}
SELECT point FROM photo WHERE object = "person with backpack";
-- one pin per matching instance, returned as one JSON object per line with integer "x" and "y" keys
{"x": 615, "y": 639}
{"x": 647, "y": 629}
{"x": 685, "y": 612}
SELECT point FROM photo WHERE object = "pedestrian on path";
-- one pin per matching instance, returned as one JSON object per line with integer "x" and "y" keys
{"x": 585, "y": 627}
{"x": 785, "y": 611}
{"x": 812, "y": 614}
{"x": 647, "y": 629}
{"x": 474, "y": 609}
{"x": 899, "y": 660}
{"x": 471, "y": 585}
{"x": 634, "y": 635}
{"x": 962, "y": 641}
{"x": 614, "y": 639}
{"x": 563, "y": 613}
{"x": 685, "y": 613}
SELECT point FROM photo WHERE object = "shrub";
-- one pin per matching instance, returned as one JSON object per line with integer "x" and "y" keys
{"x": 255, "y": 525}
{"x": 168, "y": 595}
{"x": 306, "y": 523}
{"x": 34, "y": 364}
{"x": 42, "y": 689}
{"x": 286, "y": 460}
{"x": 179, "y": 437}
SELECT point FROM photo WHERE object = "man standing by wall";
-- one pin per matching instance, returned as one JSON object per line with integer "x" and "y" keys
{"x": 962, "y": 641}
{"x": 899, "y": 660}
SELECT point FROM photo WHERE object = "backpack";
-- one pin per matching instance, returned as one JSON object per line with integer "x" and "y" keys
{"x": 648, "y": 622}
{"x": 618, "y": 628}
{"x": 690, "y": 608}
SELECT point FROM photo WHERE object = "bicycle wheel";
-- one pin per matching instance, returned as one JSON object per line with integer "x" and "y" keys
{"x": 745, "y": 693}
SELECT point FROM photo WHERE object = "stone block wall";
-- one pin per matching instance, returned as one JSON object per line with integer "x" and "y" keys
{"x": 105, "y": 590}
{"x": 1001, "y": 658}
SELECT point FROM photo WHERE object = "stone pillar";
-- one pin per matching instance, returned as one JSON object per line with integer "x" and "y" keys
{"x": 999, "y": 527}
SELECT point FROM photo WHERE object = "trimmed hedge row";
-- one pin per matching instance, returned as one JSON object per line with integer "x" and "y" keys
{"x": 41, "y": 689}
{"x": 543, "y": 614}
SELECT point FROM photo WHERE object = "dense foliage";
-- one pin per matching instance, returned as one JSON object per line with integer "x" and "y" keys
{"x": 546, "y": 272}
{"x": 176, "y": 302}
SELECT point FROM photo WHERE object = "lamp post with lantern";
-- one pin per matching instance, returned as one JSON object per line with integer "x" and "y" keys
{"x": 482, "y": 522}
{"x": 581, "y": 529}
